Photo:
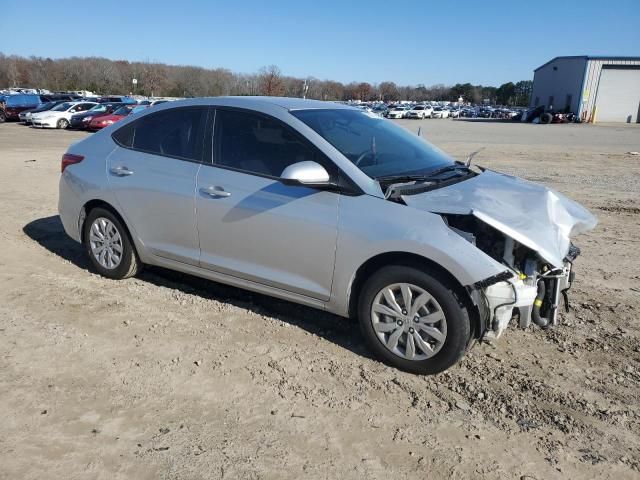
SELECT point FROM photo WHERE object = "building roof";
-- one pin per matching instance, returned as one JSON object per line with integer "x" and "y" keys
{"x": 587, "y": 57}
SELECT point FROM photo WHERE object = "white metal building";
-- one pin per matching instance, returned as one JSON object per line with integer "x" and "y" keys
{"x": 603, "y": 89}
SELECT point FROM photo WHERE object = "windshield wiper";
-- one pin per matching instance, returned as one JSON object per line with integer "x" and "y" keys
{"x": 400, "y": 178}
{"x": 398, "y": 185}
{"x": 449, "y": 168}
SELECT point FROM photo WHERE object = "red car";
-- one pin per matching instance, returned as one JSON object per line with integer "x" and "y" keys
{"x": 102, "y": 121}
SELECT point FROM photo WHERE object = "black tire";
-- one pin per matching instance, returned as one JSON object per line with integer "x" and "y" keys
{"x": 3, "y": 117}
{"x": 457, "y": 319}
{"x": 130, "y": 264}
{"x": 62, "y": 123}
{"x": 546, "y": 118}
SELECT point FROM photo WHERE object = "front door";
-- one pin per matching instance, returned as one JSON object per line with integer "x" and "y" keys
{"x": 253, "y": 226}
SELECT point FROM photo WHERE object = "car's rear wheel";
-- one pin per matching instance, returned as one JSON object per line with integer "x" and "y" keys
{"x": 109, "y": 246}
{"x": 2, "y": 117}
{"x": 62, "y": 123}
{"x": 546, "y": 118}
{"x": 412, "y": 320}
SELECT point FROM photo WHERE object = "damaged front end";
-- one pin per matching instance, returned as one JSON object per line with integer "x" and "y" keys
{"x": 525, "y": 227}
{"x": 530, "y": 287}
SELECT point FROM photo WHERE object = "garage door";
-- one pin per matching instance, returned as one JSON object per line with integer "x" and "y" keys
{"x": 618, "y": 97}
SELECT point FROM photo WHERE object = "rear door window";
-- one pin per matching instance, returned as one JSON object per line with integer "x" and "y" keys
{"x": 172, "y": 133}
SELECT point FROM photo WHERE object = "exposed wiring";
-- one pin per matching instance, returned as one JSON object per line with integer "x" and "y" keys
{"x": 506, "y": 304}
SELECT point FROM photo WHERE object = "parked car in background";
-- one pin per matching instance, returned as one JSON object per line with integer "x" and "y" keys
{"x": 380, "y": 110}
{"x": 397, "y": 112}
{"x": 439, "y": 112}
{"x": 287, "y": 197}
{"x": 105, "y": 120}
{"x": 60, "y": 115}
{"x": 80, "y": 121}
{"x": 138, "y": 109}
{"x": 417, "y": 111}
{"x": 14, "y": 104}
{"x": 118, "y": 99}
{"x": 54, "y": 97}
{"x": 25, "y": 115}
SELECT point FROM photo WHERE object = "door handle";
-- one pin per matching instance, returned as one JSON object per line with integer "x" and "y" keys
{"x": 216, "y": 192}
{"x": 121, "y": 171}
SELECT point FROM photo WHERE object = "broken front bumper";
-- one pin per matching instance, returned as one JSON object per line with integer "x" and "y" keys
{"x": 502, "y": 298}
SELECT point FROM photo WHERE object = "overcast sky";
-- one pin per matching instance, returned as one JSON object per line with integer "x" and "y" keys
{"x": 409, "y": 42}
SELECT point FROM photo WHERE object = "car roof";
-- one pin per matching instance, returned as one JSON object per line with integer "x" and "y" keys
{"x": 257, "y": 102}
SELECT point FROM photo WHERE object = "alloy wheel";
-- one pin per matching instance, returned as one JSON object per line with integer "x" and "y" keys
{"x": 105, "y": 243}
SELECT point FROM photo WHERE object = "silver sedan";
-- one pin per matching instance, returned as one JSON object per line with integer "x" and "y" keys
{"x": 328, "y": 206}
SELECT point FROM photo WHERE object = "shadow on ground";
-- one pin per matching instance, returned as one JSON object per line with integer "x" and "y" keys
{"x": 49, "y": 233}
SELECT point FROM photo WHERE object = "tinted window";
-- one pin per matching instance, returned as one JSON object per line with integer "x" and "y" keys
{"x": 124, "y": 136}
{"x": 257, "y": 144}
{"x": 174, "y": 133}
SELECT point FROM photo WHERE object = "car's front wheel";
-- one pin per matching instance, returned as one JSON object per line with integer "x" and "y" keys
{"x": 62, "y": 123}
{"x": 109, "y": 246}
{"x": 412, "y": 320}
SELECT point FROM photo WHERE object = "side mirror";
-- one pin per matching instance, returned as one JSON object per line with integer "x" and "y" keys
{"x": 307, "y": 173}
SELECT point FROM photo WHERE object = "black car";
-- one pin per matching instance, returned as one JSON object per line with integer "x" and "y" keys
{"x": 80, "y": 121}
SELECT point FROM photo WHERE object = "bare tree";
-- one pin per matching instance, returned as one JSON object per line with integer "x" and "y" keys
{"x": 388, "y": 91}
{"x": 270, "y": 81}
{"x": 153, "y": 77}
{"x": 363, "y": 91}
{"x": 13, "y": 75}
{"x": 105, "y": 76}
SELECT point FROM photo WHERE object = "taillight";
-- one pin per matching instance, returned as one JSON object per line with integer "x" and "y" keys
{"x": 70, "y": 159}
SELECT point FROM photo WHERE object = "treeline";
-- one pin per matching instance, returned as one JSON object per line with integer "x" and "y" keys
{"x": 106, "y": 76}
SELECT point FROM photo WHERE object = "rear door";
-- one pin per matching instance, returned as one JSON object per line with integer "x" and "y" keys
{"x": 253, "y": 226}
{"x": 153, "y": 174}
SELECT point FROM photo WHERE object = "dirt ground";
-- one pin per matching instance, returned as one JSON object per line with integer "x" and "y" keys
{"x": 171, "y": 377}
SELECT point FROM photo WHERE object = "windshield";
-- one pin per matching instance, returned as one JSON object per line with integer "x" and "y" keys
{"x": 101, "y": 107}
{"x": 418, "y": 108}
{"x": 46, "y": 106}
{"x": 62, "y": 107}
{"x": 377, "y": 146}
{"x": 122, "y": 111}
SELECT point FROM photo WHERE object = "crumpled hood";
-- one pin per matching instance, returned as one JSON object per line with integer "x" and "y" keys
{"x": 533, "y": 215}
